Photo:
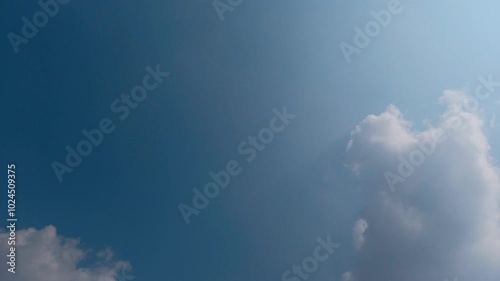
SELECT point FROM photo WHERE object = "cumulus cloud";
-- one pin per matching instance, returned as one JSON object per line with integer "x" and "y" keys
{"x": 442, "y": 217}
{"x": 358, "y": 233}
{"x": 43, "y": 255}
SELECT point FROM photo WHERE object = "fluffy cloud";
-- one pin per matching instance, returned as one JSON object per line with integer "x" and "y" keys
{"x": 43, "y": 255}
{"x": 442, "y": 217}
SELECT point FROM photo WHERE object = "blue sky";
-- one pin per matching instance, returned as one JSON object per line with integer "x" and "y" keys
{"x": 226, "y": 77}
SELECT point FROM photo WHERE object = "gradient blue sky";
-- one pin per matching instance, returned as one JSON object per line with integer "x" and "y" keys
{"x": 226, "y": 77}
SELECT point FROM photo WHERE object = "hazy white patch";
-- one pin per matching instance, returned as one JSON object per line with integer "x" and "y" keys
{"x": 493, "y": 120}
{"x": 347, "y": 276}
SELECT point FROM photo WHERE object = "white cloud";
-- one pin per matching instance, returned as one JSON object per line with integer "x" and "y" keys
{"x": 43, "y": 255}
{"x": 358, "y": 232}
{"x": 443, "y": 219}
